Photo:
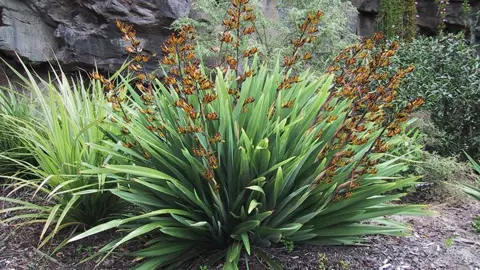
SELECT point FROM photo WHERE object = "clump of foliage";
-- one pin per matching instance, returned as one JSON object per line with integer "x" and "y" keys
{"x": 447, "y": 77}
{"x": 57, "y": 137}
{"x": 246, "y": 155}
{"x": 276, "y": 26}
{"x": 12, "y": 104}
{"x": 439, "y": 173}
{"x": 398, "y": 18}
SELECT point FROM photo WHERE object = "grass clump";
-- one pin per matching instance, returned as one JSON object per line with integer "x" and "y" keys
{"x": 55, "y": 135}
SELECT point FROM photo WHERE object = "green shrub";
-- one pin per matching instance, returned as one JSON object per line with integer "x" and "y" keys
{"x": 277, "y": 26}
{"x": 57, "y": 135}
{"x": 234, "y": 160}
{"x": 447, "y": 76}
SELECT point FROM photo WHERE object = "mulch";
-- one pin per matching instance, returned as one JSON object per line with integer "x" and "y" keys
{"x": 447, "y": 240}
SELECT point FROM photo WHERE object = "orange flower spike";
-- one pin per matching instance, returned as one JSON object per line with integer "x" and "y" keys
{"x": 193, "y": 114}
{"x": 119, "y": 24}
{"x": 249, "y": 17}
{"x": 248, "y": 30}
{"x": 212, "y": 116}
{"x": 208, "y": 174}
{"x": 289, "y": 60}
{"x": 209, "y": 98}
{"x": 179, "y": 103}
{"x": 409, "y": 69}
{"x": 212, "y": 161}
{"x": 216, "y": 138}
{"x": 332, "y": 118}
{"x": 348, "y": 194}
{"x": 418, "y": 102}
{"x": 288, "y": 104}
{"x": 307, "y": 56}
{"x": 249, "y": 100}
{"x": 190, "y": 55}
{"x": 227, "y": 37}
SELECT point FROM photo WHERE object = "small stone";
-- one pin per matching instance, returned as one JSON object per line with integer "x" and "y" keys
{"x": 108, "y": 263}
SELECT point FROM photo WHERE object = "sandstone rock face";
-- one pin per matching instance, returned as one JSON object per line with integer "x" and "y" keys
{"x": 427, "y": 20}
{"x": 82, "y": 32}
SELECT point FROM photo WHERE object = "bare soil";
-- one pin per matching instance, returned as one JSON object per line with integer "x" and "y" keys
{"x": 445, "y": 241}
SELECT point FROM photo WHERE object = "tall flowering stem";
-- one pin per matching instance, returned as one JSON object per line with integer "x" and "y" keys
{"x": 442, "y": 14}
{"x": 363, "y": 77}
{"x": 239, "y": 22}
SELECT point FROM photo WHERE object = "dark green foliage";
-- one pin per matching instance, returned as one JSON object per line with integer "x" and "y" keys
{"x": 447, "y": 75}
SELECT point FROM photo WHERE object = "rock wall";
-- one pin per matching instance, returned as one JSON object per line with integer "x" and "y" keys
{"x": 82, "y": 32}
{"x": 427, "y": 20}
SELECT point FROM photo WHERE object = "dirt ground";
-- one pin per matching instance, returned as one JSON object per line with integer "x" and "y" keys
{"x": 445, "y": 241}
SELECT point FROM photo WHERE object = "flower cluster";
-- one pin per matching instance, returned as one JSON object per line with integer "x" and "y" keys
{"x": 239, "y": 23}
{"x": 308, "y": 31}
{"x": 195, "y": 91}
{"x": 374, "y": 116}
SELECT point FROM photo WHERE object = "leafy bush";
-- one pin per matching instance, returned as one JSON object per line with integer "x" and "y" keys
{"x": 447, "y": 76}
{"x": 57, "y": 135}
{"x": 239, "y": 158}
{"x": 276, "y": 26}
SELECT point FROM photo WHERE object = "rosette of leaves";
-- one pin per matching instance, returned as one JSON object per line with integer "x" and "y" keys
{"x": 233, "y": 161}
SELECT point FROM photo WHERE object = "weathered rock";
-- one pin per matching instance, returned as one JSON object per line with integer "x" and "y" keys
{"x": 22, "y": 31}
{"x": 367, "y": 6}
{"x": 427, "y": 19}
{"x": 82, "y": 32}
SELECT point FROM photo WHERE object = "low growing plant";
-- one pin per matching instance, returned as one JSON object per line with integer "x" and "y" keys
{"x": 247, "y": 155}
{"x": 473, "y": 191}
{"x": 57, "y": 135}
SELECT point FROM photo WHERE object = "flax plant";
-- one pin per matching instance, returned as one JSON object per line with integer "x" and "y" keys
{"x": 57, "y": 135}
{"x": 245, "y": 156}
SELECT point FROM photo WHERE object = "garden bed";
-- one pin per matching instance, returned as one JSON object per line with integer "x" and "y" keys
{"x": 439, "y": 242}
